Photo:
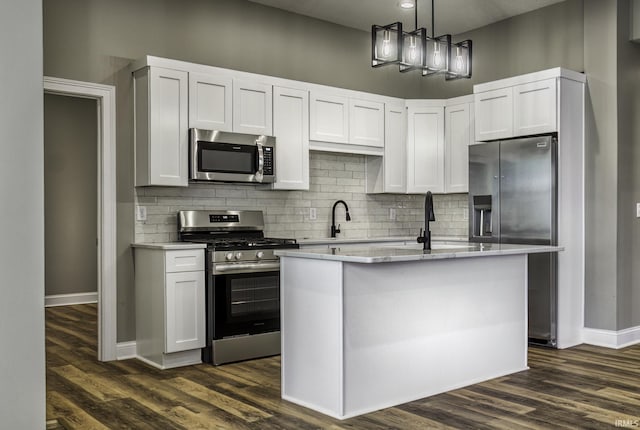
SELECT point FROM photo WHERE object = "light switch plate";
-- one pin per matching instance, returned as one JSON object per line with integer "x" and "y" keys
{"x": 141, "y": 213}
{"x": 637, "y": 210}
{"x": 392, "y": 214}
{"x": 312, "y": 214}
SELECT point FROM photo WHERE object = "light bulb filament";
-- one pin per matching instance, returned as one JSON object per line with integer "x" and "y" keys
{"x": 386, "y": 43}
{"x": 437, "y": 57}
{"x": 459, "y": 61}
{"x": 412, "y": 49}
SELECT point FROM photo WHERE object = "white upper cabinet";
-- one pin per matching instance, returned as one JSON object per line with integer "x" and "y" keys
{"x": 291, "y": 129}
{"x": 388, "y": 174}
{"x": 366, "y": 123}
{"x": 494, "y": 114}
{"x": 519, "y": 106}
{"x": 459, "y": 134}
{"x": 328, "y": 118}
{"x": 210, "y": 102}
{"x": 252, "y": 108}
{"x": 161, "y": 127}
{"x": 534, "y": 108}
{"x": 395, "y": 158}
{"x": 425, "y": 148}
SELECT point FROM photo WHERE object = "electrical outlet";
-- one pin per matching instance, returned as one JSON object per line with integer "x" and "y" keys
{"x": 637, "y": 210}
{"x": 141, "y": 213}
{"x": 392, "y": 214}
{"x": 312, "y": 214}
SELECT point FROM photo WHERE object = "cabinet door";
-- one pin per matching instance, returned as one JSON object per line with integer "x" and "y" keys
{"x": 395, "y": 160}
{"x": 210, "y": 102}
{"x": 425, "y": 150}
{"x": 494, "y": 114}
{"x": 291, "y": 129}
{"x": 459, "y": 135}
{"x": 168, "y": 131}
{"x": 252, "y": 108}
{"x": 184, "y": 311}
{"x": 366, "y": 123}
{"x": 328, "y": 118}
{"x": 534, "y": 108}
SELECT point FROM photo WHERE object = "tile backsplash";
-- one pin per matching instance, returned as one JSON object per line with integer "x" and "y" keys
{"x": 332, "y": 177}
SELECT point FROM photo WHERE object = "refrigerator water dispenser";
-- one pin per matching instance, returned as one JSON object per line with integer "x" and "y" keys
{"x": 482, "y": 225}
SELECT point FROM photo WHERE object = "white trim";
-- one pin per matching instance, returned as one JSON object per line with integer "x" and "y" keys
{"x": 70, "y": 299}
{"x": 105, "y": 95}
{"x": 127, "y": 350}
{"x": 610, "y": 338}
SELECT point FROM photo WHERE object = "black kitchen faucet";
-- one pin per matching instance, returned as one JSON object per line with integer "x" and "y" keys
{"x": 425, "y": 238}
{"x": 335, "y": 230}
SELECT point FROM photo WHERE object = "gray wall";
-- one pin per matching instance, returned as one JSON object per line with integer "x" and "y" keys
{"x": 538, "y": 40}
{"x": 70, "y": 194}
{"x": 628, "y": 73}
{"x": 601, "y": 135}
{"x": 22, "y": 371}
{"x": 612, "y": 64}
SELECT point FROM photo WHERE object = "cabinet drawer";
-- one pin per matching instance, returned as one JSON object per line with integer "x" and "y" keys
{"x": 184, "y": 260}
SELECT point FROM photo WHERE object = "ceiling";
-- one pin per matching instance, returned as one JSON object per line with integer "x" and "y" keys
{"x": 452, "y": 16}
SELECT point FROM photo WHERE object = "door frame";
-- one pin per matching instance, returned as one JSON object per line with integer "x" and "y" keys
{"x": 105, "y": 96}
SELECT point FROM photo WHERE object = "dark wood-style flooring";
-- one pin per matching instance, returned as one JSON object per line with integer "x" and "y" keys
{"x": 579, "y": 388}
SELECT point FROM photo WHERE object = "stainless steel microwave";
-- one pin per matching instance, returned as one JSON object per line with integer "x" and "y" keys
{"x": 231, "y": 157}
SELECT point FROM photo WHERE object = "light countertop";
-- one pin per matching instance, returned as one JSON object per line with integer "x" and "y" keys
{"x": 364, "y": 240}
{"x": 170, "y": 245}
{"x": 440, "y": 250}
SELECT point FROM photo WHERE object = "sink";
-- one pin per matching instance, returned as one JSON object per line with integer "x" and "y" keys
{"x": 443, "y": 245}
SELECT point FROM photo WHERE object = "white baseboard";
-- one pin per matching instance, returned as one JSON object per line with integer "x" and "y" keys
{"x": 610, "y": 338}
{"x": 70, "y": 299}
{"x": 126, "y": 350}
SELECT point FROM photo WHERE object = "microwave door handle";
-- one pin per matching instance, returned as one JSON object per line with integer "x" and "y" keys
{"x": 259, "y": 172}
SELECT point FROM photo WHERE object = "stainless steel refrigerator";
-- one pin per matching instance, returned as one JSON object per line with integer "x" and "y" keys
{"x": 513, "y": 199}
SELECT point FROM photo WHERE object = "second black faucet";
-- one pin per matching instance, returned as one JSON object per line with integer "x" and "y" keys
{"x": 425, "y": 238}
{"x": 335, "y": 230}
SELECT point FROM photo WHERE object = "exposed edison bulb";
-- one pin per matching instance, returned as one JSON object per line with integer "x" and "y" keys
{"x": 459, "y": 61}
{"x": 386, "y": 43}
{"x": 413, "y": 54}
{"x": 437, "y": 57}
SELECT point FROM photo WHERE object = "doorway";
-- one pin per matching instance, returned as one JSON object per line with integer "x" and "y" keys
{"x": 70, "y": 200}
{"x": 103, "y": 98}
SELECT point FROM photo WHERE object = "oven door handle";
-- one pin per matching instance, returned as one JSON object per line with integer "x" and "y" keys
{"x": 245, "y": 267}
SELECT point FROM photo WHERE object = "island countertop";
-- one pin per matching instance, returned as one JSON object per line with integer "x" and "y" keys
{"x": 440, "y": 250}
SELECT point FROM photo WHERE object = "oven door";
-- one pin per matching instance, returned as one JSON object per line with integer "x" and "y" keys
{"x": 246, "y": 303}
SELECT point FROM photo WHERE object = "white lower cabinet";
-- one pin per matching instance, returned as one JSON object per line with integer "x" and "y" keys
{"x": 170, "y": 306}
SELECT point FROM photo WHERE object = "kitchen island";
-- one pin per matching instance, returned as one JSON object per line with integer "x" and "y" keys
{"x": 373, "y": 327}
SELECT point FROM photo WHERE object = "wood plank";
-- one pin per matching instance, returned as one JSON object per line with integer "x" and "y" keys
{"x": 94, "y": 384}
{"x": 221, "y": 401}
{"x": 70, "y": 415}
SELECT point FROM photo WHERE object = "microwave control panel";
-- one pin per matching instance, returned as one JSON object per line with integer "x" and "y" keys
{"x": 268, "y": 161}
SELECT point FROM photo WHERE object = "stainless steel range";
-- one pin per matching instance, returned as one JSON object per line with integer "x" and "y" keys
{"x": 243, "y": 283}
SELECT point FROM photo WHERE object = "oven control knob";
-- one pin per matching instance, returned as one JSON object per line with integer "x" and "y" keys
{"x": 229, "y": 256}
{"x": 259, "y": 255}
{"x": 238, "y": 255}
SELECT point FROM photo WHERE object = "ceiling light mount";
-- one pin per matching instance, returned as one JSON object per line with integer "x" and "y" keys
{"x": 416, "y": 51}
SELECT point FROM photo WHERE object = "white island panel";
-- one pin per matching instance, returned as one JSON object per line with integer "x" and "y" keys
{"x": 361, "y": 337}
{"x": 414, "y": 330}
{"x": 313, "y": 339}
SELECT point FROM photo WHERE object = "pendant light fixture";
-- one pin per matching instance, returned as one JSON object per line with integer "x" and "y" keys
{"x": 416, "y": 51}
